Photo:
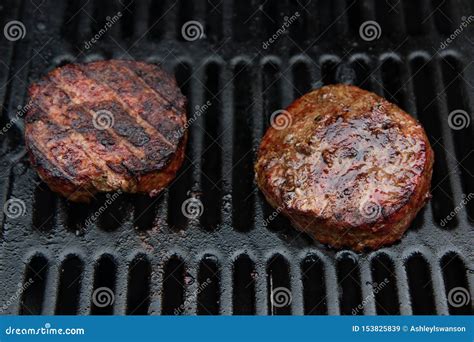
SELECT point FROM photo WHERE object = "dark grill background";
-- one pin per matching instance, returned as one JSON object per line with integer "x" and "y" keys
{"x": 152, "y": 257}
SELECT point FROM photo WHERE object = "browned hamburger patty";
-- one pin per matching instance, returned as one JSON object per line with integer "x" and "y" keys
{"x": 106, "y": 126}
{"x": 346, "y": 166}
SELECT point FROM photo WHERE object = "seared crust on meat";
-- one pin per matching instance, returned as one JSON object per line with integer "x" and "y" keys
{"x": 351, "y": 169}
{"x": 106, "y": 126}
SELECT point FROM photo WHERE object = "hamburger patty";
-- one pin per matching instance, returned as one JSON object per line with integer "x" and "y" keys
{"x": 346, "y": 166}
{"x": 106, "y": 126}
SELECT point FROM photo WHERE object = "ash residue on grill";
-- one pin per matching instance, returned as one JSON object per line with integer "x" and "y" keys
{"x": 231, "y": 253}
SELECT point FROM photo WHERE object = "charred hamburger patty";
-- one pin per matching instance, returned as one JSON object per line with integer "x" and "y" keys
{"x": 346, "y": 166}
{"x": 106, "y": 126}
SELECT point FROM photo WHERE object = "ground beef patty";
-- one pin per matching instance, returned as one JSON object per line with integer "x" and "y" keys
{"x": 105, "y": 126}
{"x": 346, "y": 166}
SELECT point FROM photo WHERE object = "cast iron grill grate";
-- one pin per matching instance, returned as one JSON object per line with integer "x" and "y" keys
{"x": 237, "y": 256}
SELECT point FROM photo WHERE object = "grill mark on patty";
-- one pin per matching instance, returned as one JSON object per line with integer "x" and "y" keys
{"x": 79, "y": 100}
{"x": 101, "y": 148}
{"x": 132, "y": 92}
{"x": 94, "y": 94}
{"x": 73, "y": 162}
{"x": 78, "y": 159}
{"x": 52, "y": 167}
{"x": 75, "y": 100}
{"x": 116, "y": 174}
{"x": 91, "y": 91}
{"x": 155, "y": 151}
{"x": 154, "y": 86}
{"x": 123, "y": 124}
{"x": 160, "y": 81}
